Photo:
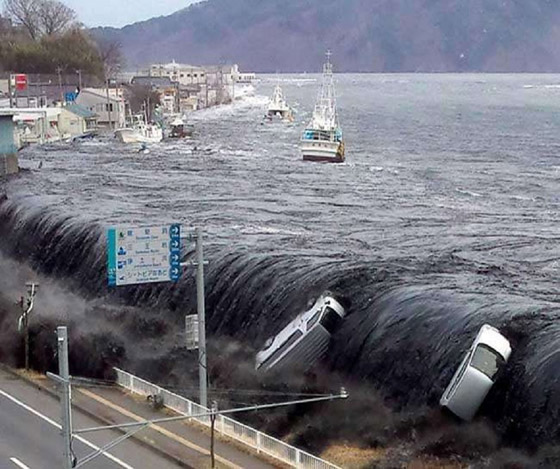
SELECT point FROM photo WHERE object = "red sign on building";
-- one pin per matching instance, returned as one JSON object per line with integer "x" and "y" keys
{"x": 21, "y": 82}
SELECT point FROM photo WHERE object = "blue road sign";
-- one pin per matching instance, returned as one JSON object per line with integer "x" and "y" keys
{"x": 143, "y": 255}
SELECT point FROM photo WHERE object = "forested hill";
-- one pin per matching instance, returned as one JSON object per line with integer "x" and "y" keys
{"x": 365, "y": 35}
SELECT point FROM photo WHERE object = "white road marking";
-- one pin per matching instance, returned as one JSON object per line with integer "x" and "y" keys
{"x": 54, "y": 424}
{"x": 18, "y": 463}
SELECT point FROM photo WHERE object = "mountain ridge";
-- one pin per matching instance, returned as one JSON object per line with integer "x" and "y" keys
{"x": 365, "y": 35}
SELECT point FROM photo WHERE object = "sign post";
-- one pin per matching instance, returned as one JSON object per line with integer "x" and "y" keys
{"x": 143, "y": 255}
{"x": 21, "y": 82}
{"x": 153, "y": 254}
{"x": 202, "y": 372}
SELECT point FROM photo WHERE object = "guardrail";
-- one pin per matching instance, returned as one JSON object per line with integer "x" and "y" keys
{"x": 260, "y": 442}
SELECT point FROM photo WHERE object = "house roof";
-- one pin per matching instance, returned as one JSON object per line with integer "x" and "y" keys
{"x": 152, "y": 81}
{"x": 175, "y": 66}
{"x": 80, "y": 111}
{"x": 100, "y": 93}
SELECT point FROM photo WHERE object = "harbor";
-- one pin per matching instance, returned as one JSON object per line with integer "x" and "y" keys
{"x": 140, "y": 107}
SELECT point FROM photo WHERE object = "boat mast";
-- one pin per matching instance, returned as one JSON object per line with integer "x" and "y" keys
{"x": 325, "y": 108}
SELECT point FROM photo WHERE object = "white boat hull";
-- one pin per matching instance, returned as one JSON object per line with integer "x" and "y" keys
{"x": 322, "y": 151}
{"x": 134, "y": 136}
{"x": 279, "y": 114}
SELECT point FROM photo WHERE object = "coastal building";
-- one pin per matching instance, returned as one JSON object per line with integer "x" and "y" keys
{"x": 110, "y": 110}
{"x": 75, "y": 120}
{"x": 8, "y": 143}
{"x": 37, "y": 125}
{"x": 246, "y": 77}
{"x": 167, "y": 90}
{"x": 200, "y": 86}
{"x": 180, "y": 73}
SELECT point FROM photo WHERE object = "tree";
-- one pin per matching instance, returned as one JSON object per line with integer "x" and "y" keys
{"x": 24, "y": 13}
{"x": 110, "y": 53}
{"x": 41, "y": 17}
{"x": 142, "y": 98}
{"x": 72, "y": 50}
{"x": 55, "y": 17}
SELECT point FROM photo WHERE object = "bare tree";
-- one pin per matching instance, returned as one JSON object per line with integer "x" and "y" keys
{"x": 24, "y": 13}
{"x": 55, "y": 17}
{"x": 111, "y": 56}
{"x": 41, "y": 17}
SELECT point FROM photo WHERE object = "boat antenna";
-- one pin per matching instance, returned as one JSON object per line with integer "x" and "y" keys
{"x": 327, "y": 67}
{"x": 326, "y": 101}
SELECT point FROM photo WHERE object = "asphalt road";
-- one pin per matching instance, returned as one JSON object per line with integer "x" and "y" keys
{"x": 30, "y": 436}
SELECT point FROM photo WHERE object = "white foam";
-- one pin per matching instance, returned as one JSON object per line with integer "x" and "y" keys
{"x": 466, "y": 192}
{"x": 223, "y": 110}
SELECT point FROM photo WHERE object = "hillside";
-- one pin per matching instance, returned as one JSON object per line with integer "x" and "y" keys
{"x": 365, "y": 35}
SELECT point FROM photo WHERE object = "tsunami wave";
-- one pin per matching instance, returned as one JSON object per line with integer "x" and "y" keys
{"x": 402, "y": 336}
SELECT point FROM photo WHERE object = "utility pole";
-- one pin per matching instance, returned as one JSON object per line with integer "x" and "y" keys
{"x": 11, "y": 89}
{"x": 23, "y": 323}
{"x": 79, "y": 72}
{"x": 118, "y": 111}
{"x": 59, "y": 72}
{"x": 214, "y": 411}
{"x": 206, "y": 77}
{"x": 64, "y": 374}
{"x": 109, "y": 105}
{"x": 201, "y": 310}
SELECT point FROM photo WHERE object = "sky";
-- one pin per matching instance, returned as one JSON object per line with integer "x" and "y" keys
{"x": 119, "y": 13}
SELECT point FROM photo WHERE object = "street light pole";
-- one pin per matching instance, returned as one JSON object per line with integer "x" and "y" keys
{"x": 201, "y": 310}
{"x": 64, "y": 374}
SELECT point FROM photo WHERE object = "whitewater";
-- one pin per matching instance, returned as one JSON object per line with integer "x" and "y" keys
{"x": 444, "y": 217}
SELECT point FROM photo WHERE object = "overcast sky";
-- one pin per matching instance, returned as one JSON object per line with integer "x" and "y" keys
{"x": 122, "y": 12}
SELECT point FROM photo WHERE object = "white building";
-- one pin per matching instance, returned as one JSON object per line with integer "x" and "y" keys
{"x": 202, "y": 86}
{"x": 181, "y": 73}
{"x": 38, "y": 125}
{"x": 75, "y": 120}
{"x": 110, "y": 109}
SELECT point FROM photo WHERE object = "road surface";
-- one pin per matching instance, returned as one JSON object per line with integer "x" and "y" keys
{"x": 30, "y": 434}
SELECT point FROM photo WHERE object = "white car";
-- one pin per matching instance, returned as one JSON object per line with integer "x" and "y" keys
{"x": 473, "y": 379}
{"x": 305, "y": 339}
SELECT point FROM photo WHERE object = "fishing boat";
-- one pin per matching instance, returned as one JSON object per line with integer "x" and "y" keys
{"x": 322, "y": 138}
{"x": 179, "y": 129}
{"x": 140, "y": 132}
{"x": 278, "y": 107}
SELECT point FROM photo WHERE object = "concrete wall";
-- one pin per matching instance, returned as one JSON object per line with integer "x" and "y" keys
{"x": 7, "y": 136}
{"x": 8, "y": 164}
{"x": 8, "y": 155}
{"x": 98, "y": 105}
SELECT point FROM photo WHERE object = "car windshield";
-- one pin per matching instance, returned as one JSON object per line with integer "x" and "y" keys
{"x": 487, "y": 360}
{"x": 330, "y": 320}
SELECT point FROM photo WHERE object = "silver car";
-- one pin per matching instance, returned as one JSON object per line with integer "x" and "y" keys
{"x": 305, "y": 339}
{"x": 473, "y": 379}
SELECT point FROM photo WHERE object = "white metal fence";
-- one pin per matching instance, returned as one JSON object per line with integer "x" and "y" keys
{"x": 255, "y": 439}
